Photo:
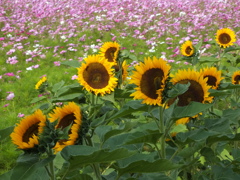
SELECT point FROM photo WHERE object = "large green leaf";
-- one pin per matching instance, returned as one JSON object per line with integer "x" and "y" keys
{"x": 68, "y": 97}
{"x": 128, "y": 108}
{"x": 233, "y": 115}
{"x": 37, "y": 99}
{"x": 143, "y": 137}
{"x": 57, "y": 86}
{"x": 81, "y": 155}
{"x": 144, "y": 166}
{"x": 5, "y": 133}
{"x": 190, "y": 110}
{"x": 30, "y": 167}
{"x": 178, "y": 89}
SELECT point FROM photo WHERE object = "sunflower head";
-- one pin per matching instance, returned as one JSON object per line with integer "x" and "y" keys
{"x": 68, "y": 115}
{"x": 225, "y": 37}
{"x": 25, "y": 134}
{"x": 187, "y": 48}
{"x": 197, "y": 91}
{"x": 236, "y": 77}
{"x": 213, "y": 76}
{"x": 110, "y": 50}
{"x": 150, "y": 78}
{"x": 40, "y": 82}
{"x": 96, "y": 75}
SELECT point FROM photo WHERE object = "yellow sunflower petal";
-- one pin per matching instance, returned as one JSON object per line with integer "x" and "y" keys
{"x": 96, "y": 75}
{"x": 25, "y": 134}
{"x": 236, "y": 77}
{"x": 197, "y": 91}
{"x": 225, "y": 37}
{"x": 40, "y": 82}
{"x": 213, "y": 76}
{"x": 150, "y": 78}
{"x": 110, "y": 50}
{"x": 69, "y": 114}
{"x": 187, "y": 48}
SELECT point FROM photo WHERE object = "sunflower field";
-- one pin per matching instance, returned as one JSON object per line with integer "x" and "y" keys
{"x": 120, "y": 90}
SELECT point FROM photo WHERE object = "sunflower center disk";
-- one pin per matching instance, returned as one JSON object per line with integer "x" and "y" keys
{"x": 96, "y": 76}
{"x": 151, "y": 81}
{"x": 188, "y": 50}
{"x": 110, "y": 54}
{"x": 224, "y": 38}
{"x": 66, "y": 121}
{"x": 211, "y": 80}
{"x": 32, "y": 130}
{"x": 194, "y": 93}
{"x": 237, "y": 79}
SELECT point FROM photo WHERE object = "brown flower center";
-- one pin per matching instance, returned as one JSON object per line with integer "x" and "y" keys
{"x": 188, "y": 50}
{"x": 151, "y": 81}
{"x": 96, "y": 75}
{"x": 224, "y": 38}
{"x": 194, "y": 93}
{"x": 32, "y": 130}
{"x": 109, "y": 54}
{"x": 212, "y": 81}
{"x": 66, "y": 121}
{"x": 237, "y": 79}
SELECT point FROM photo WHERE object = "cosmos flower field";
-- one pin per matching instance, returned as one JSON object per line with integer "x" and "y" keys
{"x": 49, "y": 38}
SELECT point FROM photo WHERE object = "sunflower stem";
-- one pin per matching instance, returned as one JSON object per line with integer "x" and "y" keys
{"x": 162, "y": 130}
{"x": 51, "y": 166}
{"x": 95, "y": 166}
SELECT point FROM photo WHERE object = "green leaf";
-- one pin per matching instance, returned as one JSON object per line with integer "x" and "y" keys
{"x": 206, "y": 59}
{"x": 57, "y": 86}
{"x": 133, "y": 57}
{"x": 190, "y": 110}
{"x": 68, "y": 97}
{"x": 70, "y": 88}
{"x": 217, "y": 93}
{"x": 28, "y": 168}
{"x": 178, "y": 89}
{"x": 231, "y": 48}
{"x": 73, "y": 63}
{"x": 80, "y": 155}
{"x": 128, "y": 108}
{"x": 143, "y": 166}
{"x": 233, "y": 115}
{"x": 5, "y": 133}
{"x": 37, "y": 99}
{"x": 109, "y": 97}
{"x": 143, "y": 137}
{"x": 224, "y": 86}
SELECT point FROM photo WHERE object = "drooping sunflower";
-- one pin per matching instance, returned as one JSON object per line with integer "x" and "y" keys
{"x": 69, "y": 114}
{"x": 96, "y": 75}
{"x": 40, "y": 82}
{"x": 25, "y": 134}
{"x": 110, "y": 50}
{"x": 236, "y": 77}
{"x": 187, "y": 48}
{"x": 225, "y": 37}
{"x": 197, "y": 91}
{"x": 213, "y": 76}
{"x": 150, "y": 78}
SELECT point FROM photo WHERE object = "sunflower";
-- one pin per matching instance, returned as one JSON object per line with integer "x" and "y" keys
{"x": 197, "y": 91}
{"x": 225, "y": 37}
{"x": 96, "y": 75}
{"x": 69, "y": 114}
{"x": 187, "y": 48}
{"x": 124, "y": 70}
{"x": 110, "y": 50}
{"x": 25, "y": 134}
{"x": 183, "y": 120}
{"x": 150, "y": 78}
{"x": 213, "y": 76}
{"x": 40, "y": 82}
{"x": 236, "y": 77}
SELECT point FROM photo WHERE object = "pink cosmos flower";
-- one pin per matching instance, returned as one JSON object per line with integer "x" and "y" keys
{"x": 57, "y": 63}
{"x": 10, "y": 96}
{"x": 20, "y": 115}
{"x": 74, "y": 77}
{"x": 6, "y": 105}
{"x": 9, "y": 74}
